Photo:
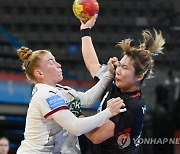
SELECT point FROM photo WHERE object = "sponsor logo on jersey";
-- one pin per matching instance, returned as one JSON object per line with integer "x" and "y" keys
{"x": 123, "y": 140}
{"x": 56, "y": 101}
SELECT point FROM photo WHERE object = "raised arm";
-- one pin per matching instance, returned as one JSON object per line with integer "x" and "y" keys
{"x": 88, "y": 51}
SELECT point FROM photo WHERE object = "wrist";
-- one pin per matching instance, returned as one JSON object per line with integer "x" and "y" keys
{"x": 84, "y": 27}
{"x": 109, "y": 113}
{"x": 110, "y": 73}
{"x": 85, "y": 32}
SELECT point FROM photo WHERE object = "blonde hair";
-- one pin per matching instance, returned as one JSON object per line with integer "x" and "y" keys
{"x": 142, "y": 54}
{"x": 30, "y": 61}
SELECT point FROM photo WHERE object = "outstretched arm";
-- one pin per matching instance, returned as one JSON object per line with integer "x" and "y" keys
{"x": 78, "y": 126}
{"x": 88, "y": 51}
{"x": 92, "y": 95}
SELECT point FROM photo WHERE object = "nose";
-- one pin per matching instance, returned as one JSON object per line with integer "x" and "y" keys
{"x": 58, "y": 65}
{"x": 118, "y": 70}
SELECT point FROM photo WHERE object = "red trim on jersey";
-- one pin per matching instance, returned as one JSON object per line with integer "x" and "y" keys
{"x": 136, "y": 95}
{"x": 55, "y": 110}
{"x": 125, "y": 131}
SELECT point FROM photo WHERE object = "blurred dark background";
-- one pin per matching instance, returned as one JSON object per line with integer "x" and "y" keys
{"x": 50, "y": 24}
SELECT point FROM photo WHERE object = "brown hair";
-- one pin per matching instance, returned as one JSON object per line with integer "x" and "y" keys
{"x": 5, "y": 138}
{"x": 142, "y": 54}
{"x": 30, "y": 60}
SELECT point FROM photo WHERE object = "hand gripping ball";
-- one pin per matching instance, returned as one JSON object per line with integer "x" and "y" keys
{"x": 85, "y": 9}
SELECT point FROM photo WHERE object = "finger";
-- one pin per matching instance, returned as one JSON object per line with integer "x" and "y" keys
{"x": 115, "y": 58}
{"x": 93, "y": 19}
{"x": 116, "y": 105}
{"x": 110, "y": 60}
{"x": 122, "y": 104}
{"x": 96, "y": 15}
{"x": 111, "y": 99}
{"x": 116, "y": 99}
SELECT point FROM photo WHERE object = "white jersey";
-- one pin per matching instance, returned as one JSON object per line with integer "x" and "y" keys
{"x": 42, "y": 133}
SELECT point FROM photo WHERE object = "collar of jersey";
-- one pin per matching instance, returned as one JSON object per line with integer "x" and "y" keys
{"x": 133, "y": 94}
{"x": 42, "y": 85}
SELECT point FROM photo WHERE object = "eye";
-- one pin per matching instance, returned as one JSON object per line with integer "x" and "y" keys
{"x": 124, "y": 67}
{"x": 51, "y": 61}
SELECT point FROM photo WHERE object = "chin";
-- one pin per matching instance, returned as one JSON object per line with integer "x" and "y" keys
{"x": 117, "y": 84}
{"x": 60, "y": 79}
{"x": 120, "y": 85}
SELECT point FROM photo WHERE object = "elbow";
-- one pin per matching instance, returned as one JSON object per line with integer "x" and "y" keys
{"x": 76, "y": 132}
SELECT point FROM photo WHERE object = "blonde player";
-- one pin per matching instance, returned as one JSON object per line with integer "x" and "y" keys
{"x": 48, "y": 118}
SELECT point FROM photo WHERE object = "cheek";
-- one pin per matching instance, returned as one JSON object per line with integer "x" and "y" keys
{"x": 126, "y": 74}
{"x": 51, "y": 70}
{"x": 127, "y": 77}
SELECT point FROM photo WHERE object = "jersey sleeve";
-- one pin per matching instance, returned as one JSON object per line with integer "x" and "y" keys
{"x": 101, "y": 72}
{"x": 122, "y": 122}
{"x": 130, "y": 120}
{"x": 50, "y": 102}
{"x": 92, "y": 95}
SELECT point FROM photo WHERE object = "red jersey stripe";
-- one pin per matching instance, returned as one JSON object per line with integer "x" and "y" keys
{"x": 55, "y": 110}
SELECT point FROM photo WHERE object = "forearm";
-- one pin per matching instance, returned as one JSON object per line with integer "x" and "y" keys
{"x": 102, "y": 133}
{"x": 92, "y": 95}
{"x": 89, "y": 55}
{"x": 92, "y": 134}
{"x": 79, "y": 126}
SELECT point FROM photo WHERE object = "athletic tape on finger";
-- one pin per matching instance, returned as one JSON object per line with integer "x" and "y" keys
{"x": 123, "y": 110}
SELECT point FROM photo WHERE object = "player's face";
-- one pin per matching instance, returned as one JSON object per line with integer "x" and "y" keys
{"x": 50, "y": 69}
{"x": 125, "y": 78}
{"x": 4, "y": 146}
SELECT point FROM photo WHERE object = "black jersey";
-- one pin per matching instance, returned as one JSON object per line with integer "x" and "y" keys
{"x": 128, "y": 125}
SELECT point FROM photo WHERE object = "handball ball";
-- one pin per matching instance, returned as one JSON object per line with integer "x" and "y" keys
{"x": 85, "y": 9}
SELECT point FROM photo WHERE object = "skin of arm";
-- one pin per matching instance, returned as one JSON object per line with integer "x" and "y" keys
{"x": 106, "y": 130}
{"x": 88, "y": 51}
{"x": 101, "y": 133}
{"x": 90, "y": 56}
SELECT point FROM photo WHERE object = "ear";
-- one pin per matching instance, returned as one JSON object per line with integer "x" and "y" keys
{"x": 38, "y": 74}
{"x": 139, "y": 77}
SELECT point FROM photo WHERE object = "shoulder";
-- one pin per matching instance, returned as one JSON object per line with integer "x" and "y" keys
{"x": 136, "y": 103}
{"x": 43, "y": 92}
{"x": 137, "y": 107}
